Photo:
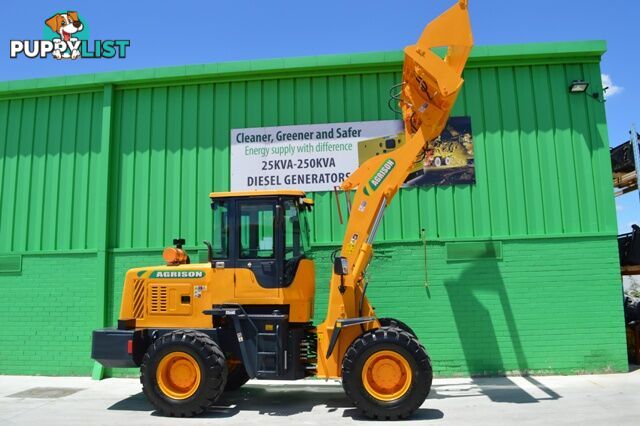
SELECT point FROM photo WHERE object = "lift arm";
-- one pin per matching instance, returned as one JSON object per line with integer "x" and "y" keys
{"x": 430, "y": 86}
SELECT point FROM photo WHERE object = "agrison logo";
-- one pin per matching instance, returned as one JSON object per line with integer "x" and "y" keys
{"x": 66, "y": 36}
{"x": 380, "y": 176}
{"x": 177, "y": 274}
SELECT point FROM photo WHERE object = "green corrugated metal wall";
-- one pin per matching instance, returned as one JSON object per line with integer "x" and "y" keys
{"x": 540, "y": 161}
{"x": 540, "y": 155}
{"x": 166, "y": 171}
{"x": 48, "y": 169}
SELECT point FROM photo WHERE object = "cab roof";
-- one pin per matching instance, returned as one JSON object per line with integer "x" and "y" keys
{"x": 281, "y": 192}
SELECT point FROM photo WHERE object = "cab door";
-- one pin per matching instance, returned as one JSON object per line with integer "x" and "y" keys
{"x": 222, "y": 254}
{"x": 258, "y": 248}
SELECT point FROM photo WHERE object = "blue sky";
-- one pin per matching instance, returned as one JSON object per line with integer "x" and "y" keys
{"x": 166, "y": 33}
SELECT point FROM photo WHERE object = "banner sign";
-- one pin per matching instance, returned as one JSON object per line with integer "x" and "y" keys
{"x": 319, "y": 157}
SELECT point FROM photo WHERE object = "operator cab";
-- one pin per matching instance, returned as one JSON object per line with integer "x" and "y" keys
{"x": 264, "y": 231}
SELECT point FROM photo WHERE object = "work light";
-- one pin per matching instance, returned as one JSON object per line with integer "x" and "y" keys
{"x": 578, "y": 86}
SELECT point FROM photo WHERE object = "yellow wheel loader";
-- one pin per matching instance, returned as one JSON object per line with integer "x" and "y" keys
{"x": 198, "y": 330}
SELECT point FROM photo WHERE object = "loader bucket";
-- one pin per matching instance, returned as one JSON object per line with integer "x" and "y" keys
{"x": 431, "y": 83}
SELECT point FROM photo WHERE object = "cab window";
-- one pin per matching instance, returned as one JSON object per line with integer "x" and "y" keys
{"x": 305, "y": 229}
{"x": 292, "y": 240}
{"x": 296, "y": 230}
{"x": 256, "y": 223}
{"x": 220, "y": 243}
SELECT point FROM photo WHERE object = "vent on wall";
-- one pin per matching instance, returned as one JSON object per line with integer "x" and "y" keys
{"x": 474, "y": 250}
{"x": 11, "y": 263}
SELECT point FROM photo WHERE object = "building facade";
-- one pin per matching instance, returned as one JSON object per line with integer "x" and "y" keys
{"x": 99, "y": 172}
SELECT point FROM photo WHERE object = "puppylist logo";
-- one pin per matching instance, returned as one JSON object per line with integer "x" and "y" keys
{"x": 66, "y": 36}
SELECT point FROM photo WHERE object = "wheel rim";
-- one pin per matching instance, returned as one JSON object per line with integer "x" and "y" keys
{"x": 178, "y": 375}
{"x": 386, "y": 375}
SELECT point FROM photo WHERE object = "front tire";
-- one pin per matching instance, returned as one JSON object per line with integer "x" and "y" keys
{"x": 387, "y": 374}
{"x": 396, "y": 323}
{"x": 183, "y": 373}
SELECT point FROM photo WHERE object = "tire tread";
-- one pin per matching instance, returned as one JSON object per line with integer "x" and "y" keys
{"x": 214, "y": 381}
{"x": 352, "y": 383}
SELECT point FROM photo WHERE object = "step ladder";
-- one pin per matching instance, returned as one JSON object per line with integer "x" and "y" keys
{"x": 268, "y": 353}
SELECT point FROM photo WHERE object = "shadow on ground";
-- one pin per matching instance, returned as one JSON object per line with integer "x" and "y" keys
{"x": 497, "y": 389}
{"x": 275, "y": 400}
{"x": 288, "y": 400}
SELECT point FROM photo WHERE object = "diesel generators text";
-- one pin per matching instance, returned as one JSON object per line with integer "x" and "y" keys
{"x": 298, "y": 179}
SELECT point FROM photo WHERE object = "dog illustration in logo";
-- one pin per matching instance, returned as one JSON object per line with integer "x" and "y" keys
{"x": 67, "y": 25}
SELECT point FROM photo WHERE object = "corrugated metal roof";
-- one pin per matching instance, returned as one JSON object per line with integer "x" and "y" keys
{"x": 508, "y": 54}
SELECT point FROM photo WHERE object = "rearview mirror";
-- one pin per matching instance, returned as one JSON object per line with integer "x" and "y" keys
{"x": 341, "y": 266}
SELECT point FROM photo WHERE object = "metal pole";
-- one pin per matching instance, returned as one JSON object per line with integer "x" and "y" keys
{"x": 105, "y": 174}
{"x": 636, "y": 155}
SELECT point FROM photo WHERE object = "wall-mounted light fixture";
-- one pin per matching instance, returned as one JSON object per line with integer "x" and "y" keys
{"x": 581, "y": 86}
{"x": 578, "y": 86}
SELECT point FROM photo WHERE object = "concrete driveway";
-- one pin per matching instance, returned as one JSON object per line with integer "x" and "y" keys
{"x": 597, "y": 399}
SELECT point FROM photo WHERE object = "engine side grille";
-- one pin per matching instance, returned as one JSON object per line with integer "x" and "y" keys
{"x": 138, "y": 299}
{"x": 159, "y": 299}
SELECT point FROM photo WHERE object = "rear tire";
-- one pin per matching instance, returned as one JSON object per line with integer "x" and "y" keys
{"x": 387, "y": 374}
{"x": 183, "y": 373}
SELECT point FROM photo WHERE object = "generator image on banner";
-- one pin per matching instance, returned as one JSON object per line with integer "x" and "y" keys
{"x": 377, "y": 146}
{"x": 448, "y": 159}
